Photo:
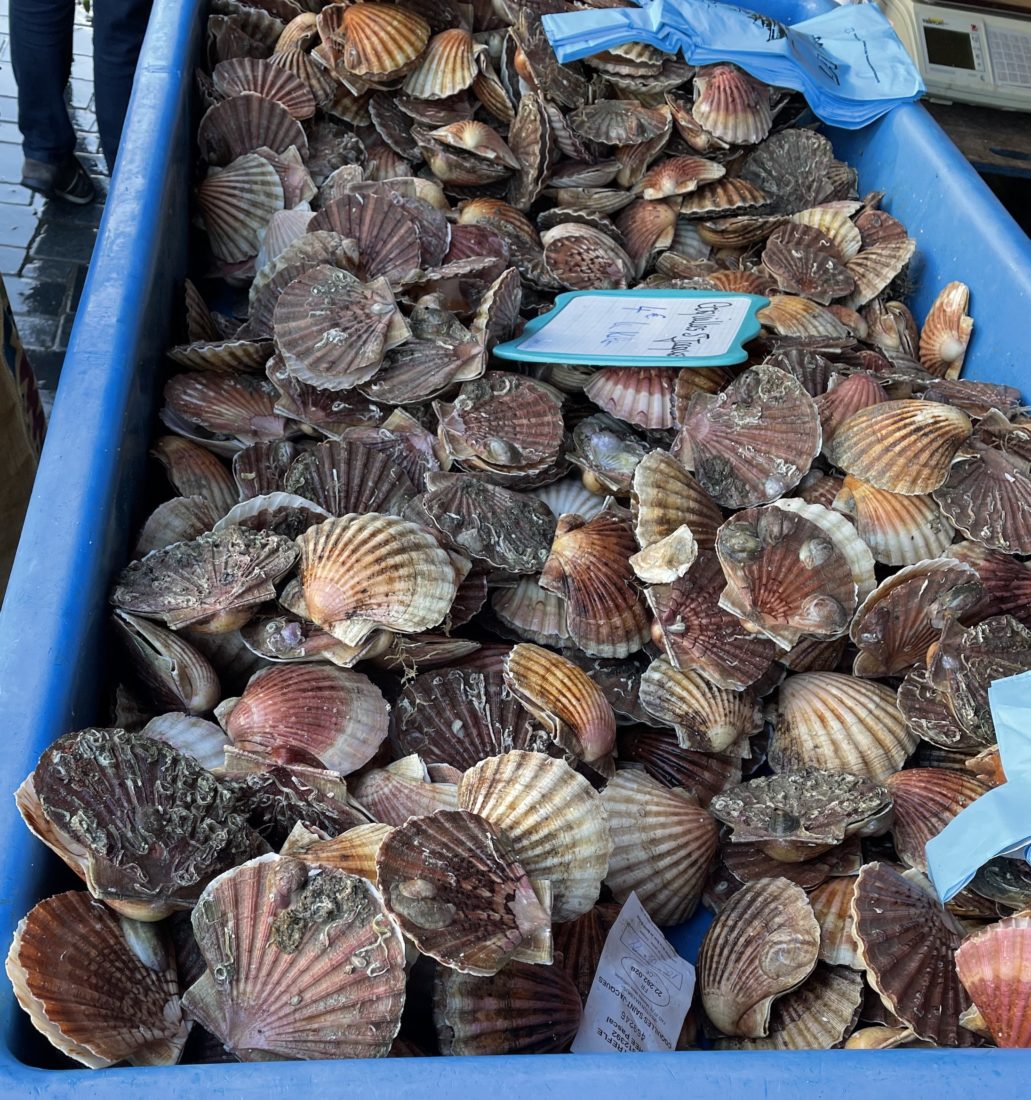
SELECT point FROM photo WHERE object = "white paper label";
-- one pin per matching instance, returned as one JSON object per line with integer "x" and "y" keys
{"x": 642, "y": 327}
{"x": 641, "y": 991}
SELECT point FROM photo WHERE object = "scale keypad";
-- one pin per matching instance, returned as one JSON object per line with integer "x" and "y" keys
{"x": 1011, "y": 57}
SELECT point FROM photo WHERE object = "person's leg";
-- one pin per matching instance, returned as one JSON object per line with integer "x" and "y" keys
{"x": 118, "y": 29}
{"x": 41, "y": 55}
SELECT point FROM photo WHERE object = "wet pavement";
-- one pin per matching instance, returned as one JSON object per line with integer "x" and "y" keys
{"x": 45, "y": 246}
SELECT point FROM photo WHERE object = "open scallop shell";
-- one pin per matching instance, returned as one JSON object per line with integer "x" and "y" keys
{"x": 566, "y": 700}
{"x": 175, "y": 674}
{"x": 755, "y": 440}
{"x": 522, "y": 1010}
{"x": 309, "y": 712}
{"x": 901, "y": 446}
{"x": 302, "y": 962}
{"x": 552, "y": 816}
{"x": 665, "y": 496}
{"x": 907, "y": 944}
{"x": 925, "y": 801}
{"x": 347, "y": 477}
{"x": 454, "y": 886}
{"x": 662, "y": 757}
{"x": 151, "y": 855}
{"x": 762, "y": 944}
{"x": 793, "y": 568}
{"x": 581, "y": 257}
{"x": 663, "y": 844}
{"x": 992, "y": 965}
{"x": 212, "y": 583}
{"x": 698, "y": 635}
{"x": 840, "y": 723}
{"x": 900, "y": 530}
{"x": 114, "y": 995}
{"x": 588, "y": 566}
{"x": 705, "y": 718}
{"x": 461, "y": 716}
{"x": 363, "y": 572}
{"x": 819, "y": 1015}
{"x": 897, "y": 622}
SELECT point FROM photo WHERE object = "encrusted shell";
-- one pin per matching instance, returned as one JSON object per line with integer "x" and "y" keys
{"x": 454, "y": 886}
{"x": 663, "y": 844}
{"x": 907, "y": 944}
{"x": 755, "y": 440}
{"x": 705, "y": 718}
{"x": 461, "y": 716}
{"x": 302, "y": 962}
{"x": 101, "y": 988}
{"x": 565, "y": 700}
{"x": 363, "y": 572}
{"x": 552, "y": 816}
{"x": 901, "y": 446}
{"x": 762, "y": 944}
{"x": 522, "y": 1010}
{"x": 993, "y": 966}
{"x": 840, "y": 723}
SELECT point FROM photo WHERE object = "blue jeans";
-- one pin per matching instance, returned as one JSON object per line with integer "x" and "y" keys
{"x": 41, "y": 55}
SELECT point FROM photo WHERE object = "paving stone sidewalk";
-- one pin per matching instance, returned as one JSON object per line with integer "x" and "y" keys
{"x": 45, "y": 246}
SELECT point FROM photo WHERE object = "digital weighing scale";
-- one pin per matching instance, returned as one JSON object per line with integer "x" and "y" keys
{"x": 969, "y": 52}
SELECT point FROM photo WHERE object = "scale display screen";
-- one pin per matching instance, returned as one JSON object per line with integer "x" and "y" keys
{"x": 949, "y": 48}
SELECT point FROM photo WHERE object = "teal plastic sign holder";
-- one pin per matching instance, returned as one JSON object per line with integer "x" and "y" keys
{"x": 641, "y": 328}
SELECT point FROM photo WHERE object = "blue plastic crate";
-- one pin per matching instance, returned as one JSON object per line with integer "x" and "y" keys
{"x": 81, "y": 520}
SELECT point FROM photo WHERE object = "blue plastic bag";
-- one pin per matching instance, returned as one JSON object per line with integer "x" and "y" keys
{"x": 849, "y": 63}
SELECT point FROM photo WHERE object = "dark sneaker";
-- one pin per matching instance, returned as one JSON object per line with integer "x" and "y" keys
{"x": 69, "y": 181}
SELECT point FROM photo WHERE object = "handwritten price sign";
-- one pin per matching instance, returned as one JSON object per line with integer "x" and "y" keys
{"x": 627, "y": 328}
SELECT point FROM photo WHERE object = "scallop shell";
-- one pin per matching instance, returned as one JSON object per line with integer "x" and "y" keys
{"x": 578, "y": 944}
{"x": 250, "y": 74}
{"x": 552, "y": 816}
{"x": 303, "y": 962}
{"x": 946, "y": 332}
{"x": 662, "y": 757}
{"x": 494, "y": 526}
{"x": 563, "y": 697}
{"x": 363, "y": 572}
{"x": 212, "y": 583}
{"x": 140, "y": 857}
{"x": 839, "y": 723}
{"x": 698, "y": 635}
{"x": 907, "y": 944}
{"x": 454, "y": 886}
{"x": 755, "y": 440}
{"x": 679, "y": 176}
{"x": 247, "y": 122}
{"x": 581, "y": 257}
{"x": 640, "y": 396}
{"x": 832, "y": 904}
{"x": 793, "y": 568}
{"x": 588, "y": 567}
{"x": 816, "y": 1016}
{"x": 260, "y": 469}
{"x": 619, "y": 122}
{"x": 333, "y": 331}
{"x": 238, "y": 405}
{"x": 115, "y": 995}
{"x": 608, "y": 451}
{"x": 344, "y": 477}
{"x": 569, "y": 495}
{"x": 743, "y": 863}
{"x": 797, "y": 814}
{"x": 320, "y": 82}
{"x": 705, "y": 718}
{"x": 402, "y": 790}
{"x": 836, "y": 225}
{"x": 446, "y": 68}
{"x": 901, "y": 446}
{"x": 666, "y": 560}
{"x": 460, "y": 716}
{"x": 799, "y": 317}
{"x": 532, "y": 613}
{"x": 387, "y": 236}
{"x": 522, "y": 1010}
{"x": 380, "y": 40}
{"x": 900, "y": 530}
{"x": 353, "y": 851}
{"x": 806, "y": 266}
{"x": 732, "y": 105}
{"x": 925, "y": 801}
{"x": 663, "y": 844}
{"x": 929, "y": 715}
{"x": 897, "y": 622}
{"x": 762, "y": 944}
{"x": 975, "y": 398}
{"x": 992, "y": 965}
{"x": 665, "y": 497}
{"x": 195, "y": 737}
{"x": 723, "y": 196}
{"x": 874, "y": 267}
{"x": 236, "y": 204}
{"x": 331, "y": 717}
